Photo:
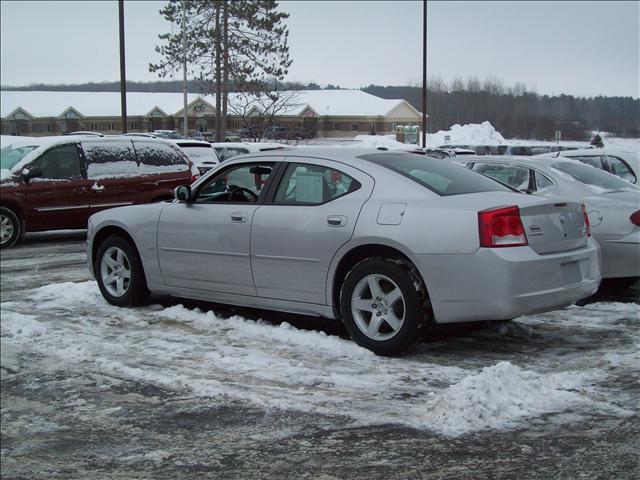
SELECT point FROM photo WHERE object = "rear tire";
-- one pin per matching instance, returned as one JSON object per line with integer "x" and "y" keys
{"x": 119, "y": 273}
{"x": 10, "y": 228}
{"x": 384, "y": 305}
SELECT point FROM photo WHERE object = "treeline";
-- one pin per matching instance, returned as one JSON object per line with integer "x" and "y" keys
{"x": 168, "y": 86}
{"x": 518, "y": 113}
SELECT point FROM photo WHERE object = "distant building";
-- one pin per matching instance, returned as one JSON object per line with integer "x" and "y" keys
{"x": 324, "y": 113}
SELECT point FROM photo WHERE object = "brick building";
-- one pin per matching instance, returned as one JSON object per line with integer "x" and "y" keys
{"x": 325, "y": 113}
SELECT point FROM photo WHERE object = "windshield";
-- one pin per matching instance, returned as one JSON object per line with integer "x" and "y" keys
{"x": 11, "y": 155}
{"x": 594, "y": 177}
{"x": 440, "y": 177}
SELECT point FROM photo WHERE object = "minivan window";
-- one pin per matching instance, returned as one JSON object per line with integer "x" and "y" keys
{"x": 59, "y": 163}
{"x": 158, "y": 157}
{"x": 110, "y": 159}
{"x": 11, "y": 155}
{"x": 594, "y": 177}
{"x": 440, "y": 177}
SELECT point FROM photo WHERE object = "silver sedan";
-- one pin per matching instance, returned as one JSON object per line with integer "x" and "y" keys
{"x": 388, "y": 242}
{"x": 613, "y": 205}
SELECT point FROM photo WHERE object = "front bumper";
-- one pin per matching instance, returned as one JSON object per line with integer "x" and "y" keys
{"x": 504, "y": 283}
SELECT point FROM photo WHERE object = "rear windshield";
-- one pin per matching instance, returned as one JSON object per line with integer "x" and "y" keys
{"x": 438, "y": 176}
{"x": 594, "y": 177}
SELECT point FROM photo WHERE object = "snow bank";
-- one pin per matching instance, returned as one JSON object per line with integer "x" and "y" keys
{"x": 471, "y": 134}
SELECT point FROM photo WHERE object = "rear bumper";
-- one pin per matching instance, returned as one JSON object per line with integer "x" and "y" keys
{"x": 504, "y": 283}
{"x": 621, "y": 256}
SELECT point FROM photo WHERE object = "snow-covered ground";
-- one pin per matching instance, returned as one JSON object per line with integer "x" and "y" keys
{"x": 451, "y": 387}
{"x": 158, "y": 382}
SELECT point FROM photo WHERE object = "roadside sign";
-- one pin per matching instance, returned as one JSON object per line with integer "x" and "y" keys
{"x": 558, "y": 135}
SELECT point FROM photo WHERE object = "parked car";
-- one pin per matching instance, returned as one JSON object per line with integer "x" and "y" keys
{"x": 275, "y": 133}
{"x": 140, "y": 134}
{"x": 227, "y": 150}
{"x": 52, "y": 183}
{"x": 622, "y": 163}
{"x": 169, "y": 134}
{"x": 388, "y": 242}
{"x": 613, "y": 205}
{"x": 201, "y": 153}
{"x": 434, "y": 152}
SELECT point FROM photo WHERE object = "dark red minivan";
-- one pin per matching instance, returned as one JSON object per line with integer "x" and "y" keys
{"x": 54, "y": 183}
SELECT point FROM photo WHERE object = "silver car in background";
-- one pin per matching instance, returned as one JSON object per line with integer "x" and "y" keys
{"x": 388, "y": 242}
{"x": 613, "y": 205}
{"x": 621, "y": 163}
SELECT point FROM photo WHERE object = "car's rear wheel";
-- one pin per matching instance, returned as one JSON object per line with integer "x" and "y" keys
{"x": 384, "y": 305}
{"x": 10, "y": 229}
{"x": 119, "y": 273}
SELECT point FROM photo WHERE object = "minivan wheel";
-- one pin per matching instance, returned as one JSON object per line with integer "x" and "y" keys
{"x": 119, "y": 273}
{"x": 384, "y": 305}
{"x": 9, "y": 228}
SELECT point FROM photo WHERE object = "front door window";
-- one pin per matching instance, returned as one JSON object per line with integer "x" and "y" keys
{"x": 239, "y": 184}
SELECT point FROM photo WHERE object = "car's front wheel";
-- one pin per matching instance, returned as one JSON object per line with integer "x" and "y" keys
{"x": 119, "y": 273}
{"x": 384, "y": 305}
{"x": 9, "y": 227}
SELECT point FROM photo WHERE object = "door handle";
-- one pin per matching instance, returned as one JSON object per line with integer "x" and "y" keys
{"x": 336, "y": 220}
{"x": 80, "y": 191}
{"x": 240, "y": 217}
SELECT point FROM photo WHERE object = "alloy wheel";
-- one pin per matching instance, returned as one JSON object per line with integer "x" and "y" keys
{"x": 378, "y": 307}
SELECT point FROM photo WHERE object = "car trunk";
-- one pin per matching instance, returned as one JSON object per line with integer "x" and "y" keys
{"x": 554, "y": 227}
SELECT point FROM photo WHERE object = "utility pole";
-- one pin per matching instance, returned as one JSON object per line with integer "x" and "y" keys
{"x": 123, "y": 76}
{"x": 185, "y": 118}
{"x": 424, "y": 73}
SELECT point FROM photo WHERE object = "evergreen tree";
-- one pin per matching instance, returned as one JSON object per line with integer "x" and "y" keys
{"x": 238, "y": 43}
{"x": 597, "y": 141}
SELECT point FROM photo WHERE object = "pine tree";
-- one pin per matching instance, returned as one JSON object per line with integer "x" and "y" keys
{"x": 230, "y": 45}
{"x": 597, "y": 141}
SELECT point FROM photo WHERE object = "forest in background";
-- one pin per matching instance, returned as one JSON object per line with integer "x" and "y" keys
{"x": 514, "y": 111}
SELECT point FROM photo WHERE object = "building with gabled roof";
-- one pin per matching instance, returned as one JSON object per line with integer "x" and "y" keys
{"x": 324, "y": 113}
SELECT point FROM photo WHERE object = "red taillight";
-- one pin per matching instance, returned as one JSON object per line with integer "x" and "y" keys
{"x": 635, "y": 218}
{"x": 501, "y": 227}
{"x": 587, "y": 225}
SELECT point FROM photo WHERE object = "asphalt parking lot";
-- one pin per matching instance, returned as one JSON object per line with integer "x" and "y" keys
{"x": 181, "y": 389}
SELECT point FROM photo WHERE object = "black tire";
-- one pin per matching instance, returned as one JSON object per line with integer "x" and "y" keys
{"x": 418, "y": 314}
{"x": 9, "y": 222}
{"x": 137, "y": 292}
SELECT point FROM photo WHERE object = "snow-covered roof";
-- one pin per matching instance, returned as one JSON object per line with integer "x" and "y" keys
{"x": 339, "y": 103}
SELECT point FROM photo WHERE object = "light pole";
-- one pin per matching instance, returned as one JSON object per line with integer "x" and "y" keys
{"x": 185, "y": 118}
{"x": 123, "y": 76}
{"x": 424, "y": 73}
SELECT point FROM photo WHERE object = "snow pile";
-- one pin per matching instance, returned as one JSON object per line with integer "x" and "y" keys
{"x": 501, "y": 395}
{"x": 471, "y": 134}
{"x": 375, "y": 141}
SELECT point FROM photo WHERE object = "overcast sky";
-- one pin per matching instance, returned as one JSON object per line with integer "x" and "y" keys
{"x": 580, "y": 48}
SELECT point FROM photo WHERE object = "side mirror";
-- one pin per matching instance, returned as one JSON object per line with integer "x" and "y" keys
{"x": 31, "y": 173}
{"x": 182, "y": 193}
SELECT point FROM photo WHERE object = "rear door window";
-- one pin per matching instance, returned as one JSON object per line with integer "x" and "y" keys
{"x": 515, "y": 176}
{"x": 305, "y": 184}
{"x": 594, "y": 161}
{"x": 59, "y": 163}
{"x": 440, "y": 177}
{"x": 158, "y": 157}
{"x": 110, "y": 159}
